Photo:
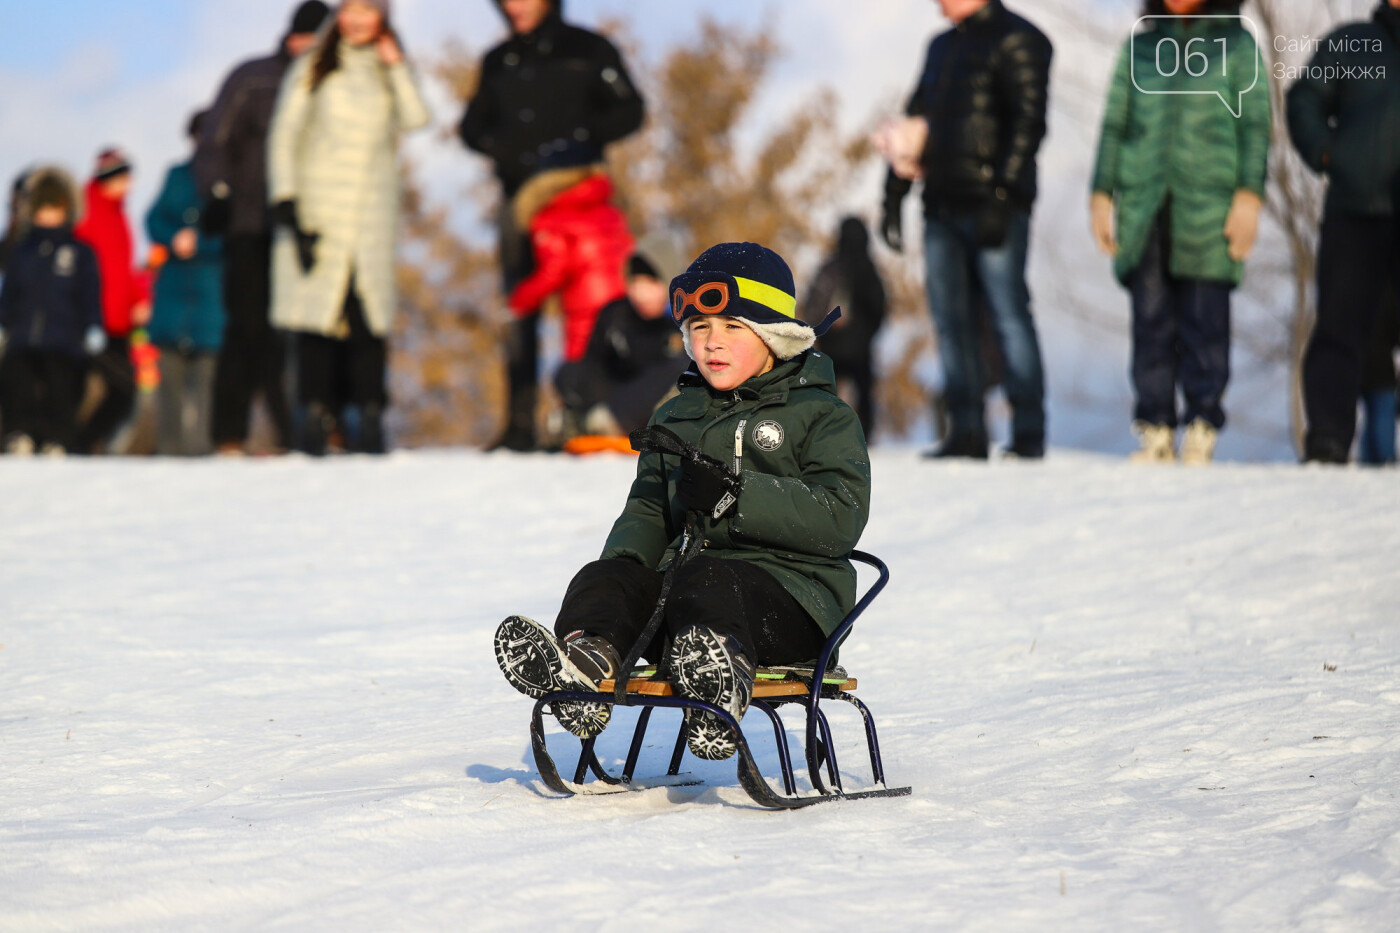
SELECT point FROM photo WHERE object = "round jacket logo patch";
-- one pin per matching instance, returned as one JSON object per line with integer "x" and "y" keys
{"x": 768, "y": 435}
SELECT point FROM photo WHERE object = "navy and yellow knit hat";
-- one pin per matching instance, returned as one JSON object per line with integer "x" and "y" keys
{"x": 749, "y": 282}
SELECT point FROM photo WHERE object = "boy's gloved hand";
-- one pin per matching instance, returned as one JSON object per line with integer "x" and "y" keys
{"x": 707, "y": 486}
{"x": 94, "y": 341}
{"x": 3, "y": 337}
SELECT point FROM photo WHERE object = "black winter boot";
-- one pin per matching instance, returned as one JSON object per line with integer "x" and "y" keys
{"x": 710, "y": 667}
{"x": 537, "y": 663}
{"x": 972, "y": 446}
{"x": 371, "y": 439}
{"x": 316, "y": 433}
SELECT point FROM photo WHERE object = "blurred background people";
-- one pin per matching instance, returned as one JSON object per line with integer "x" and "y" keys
{"x": 580, "y": 242}
{"x": 551, "y": 95}
{"x": 126, "y": 301}
{"x": 849, "y": 280}
{"x": 231, "y": 168}
{"x": 187, "y": 313}
{"x": 1177, "y": 190}
{"x": 1345, "y": 122}
{"x": 50, "y": 318}
{"x": 633, "y": 359}
{"x": 333, "y": 175}
{"x": 983, "y": 93}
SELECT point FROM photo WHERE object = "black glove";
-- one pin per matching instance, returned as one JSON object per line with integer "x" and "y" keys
{"x": 707, "y": 486}
{"x": 993, "y": 221}
{"x": 892, "y": 225}
{"x": 284, "y": 214}
{"x": 214, "y": 219}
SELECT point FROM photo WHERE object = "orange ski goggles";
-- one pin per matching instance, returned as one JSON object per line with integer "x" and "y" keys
{"x": 709, "y": 298}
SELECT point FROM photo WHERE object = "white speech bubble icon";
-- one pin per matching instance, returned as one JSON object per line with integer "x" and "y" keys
{"x": 1237, "y": 110}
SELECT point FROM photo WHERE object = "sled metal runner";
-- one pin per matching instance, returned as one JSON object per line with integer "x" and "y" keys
{"x": 800, "y": 686}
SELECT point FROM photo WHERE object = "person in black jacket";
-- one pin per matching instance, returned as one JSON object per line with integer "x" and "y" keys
{"x": 633, "y": 359}
{"x": 1344, "y": 119}
{"x": 50, "y": 317}
{"x": 550, "y": 96}
{"x": 231, "y": 169}
{"x": 849, "y": 280}
{"x": 983, "y": 93}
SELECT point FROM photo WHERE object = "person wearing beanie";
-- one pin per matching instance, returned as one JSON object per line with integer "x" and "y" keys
{"x": 551, "y": 96}
{"x": 632, "y": 361}
{"x": 850, "y": 279}
{"x": 50, "y": 318}
{"x": 126, "y": 295}
{"x": 333, "y": 181}
{"x": 230, "y": 169}
{"x": 776, "y": 491}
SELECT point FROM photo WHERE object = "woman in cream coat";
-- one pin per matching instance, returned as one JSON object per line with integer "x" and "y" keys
{"x": 333, "y": 178}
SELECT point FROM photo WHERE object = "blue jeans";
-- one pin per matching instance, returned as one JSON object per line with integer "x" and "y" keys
{"x": 1181, "y": 337}
{"x": 955, "y": 263}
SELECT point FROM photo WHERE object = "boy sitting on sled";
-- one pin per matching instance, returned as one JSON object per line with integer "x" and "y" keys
{"x": 760, "y": 498}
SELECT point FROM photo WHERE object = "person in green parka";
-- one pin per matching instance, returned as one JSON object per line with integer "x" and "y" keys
{"x": 774, "y": 496}
{"x": 1177, "y": 191}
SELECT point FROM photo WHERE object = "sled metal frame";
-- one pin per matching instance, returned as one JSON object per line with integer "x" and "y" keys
{"x": 819, "y": 750}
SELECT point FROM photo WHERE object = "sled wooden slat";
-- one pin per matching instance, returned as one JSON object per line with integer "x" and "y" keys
{"x": 762, "y": 689}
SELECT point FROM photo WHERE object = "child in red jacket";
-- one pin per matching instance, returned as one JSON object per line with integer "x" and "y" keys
{"x": 126, "y": 294}
{"x": 581, "y": 244}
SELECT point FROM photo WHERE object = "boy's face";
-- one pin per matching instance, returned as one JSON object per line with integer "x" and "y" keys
{"x": 648, "y": 296}
{"x": 727, "y": 353}
{"x": 117, "y": 186}
{"x": 50, "y": 215}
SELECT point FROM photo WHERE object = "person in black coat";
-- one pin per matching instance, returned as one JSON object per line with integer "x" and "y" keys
{"x": 50, "y": 318}
{"x": 551, "y": 96}
{"x": 849, "y": 280}
{"x": 1344, "y": 119}
{"x": 633, "y": 359}
{"x": 230, "y": 167}
{"x": 983, "y": 93}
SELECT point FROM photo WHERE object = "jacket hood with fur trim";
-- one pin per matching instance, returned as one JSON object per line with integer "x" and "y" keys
{"x": 24, "y": 209}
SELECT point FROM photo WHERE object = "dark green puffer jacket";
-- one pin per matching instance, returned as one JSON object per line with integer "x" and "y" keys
{"x": 1158, "y": 143}
{"x": 1345, "y": 119}
{"x": 805, "y": 472}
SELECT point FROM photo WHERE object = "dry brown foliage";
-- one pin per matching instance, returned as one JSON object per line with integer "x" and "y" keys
{"x": 706, "y": 168}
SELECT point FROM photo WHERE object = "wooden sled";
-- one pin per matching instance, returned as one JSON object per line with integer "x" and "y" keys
{"x": 773, "y": 688}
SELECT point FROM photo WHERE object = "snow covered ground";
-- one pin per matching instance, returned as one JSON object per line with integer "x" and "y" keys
{"x": 260, "y": 695}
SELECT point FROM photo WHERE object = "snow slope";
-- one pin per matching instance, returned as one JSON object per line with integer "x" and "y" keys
{"x": 260, "y": 695}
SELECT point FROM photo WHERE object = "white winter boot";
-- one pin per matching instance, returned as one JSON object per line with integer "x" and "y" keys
{"x": 1158, "y": 443}
{"x": 1198, "y": 443}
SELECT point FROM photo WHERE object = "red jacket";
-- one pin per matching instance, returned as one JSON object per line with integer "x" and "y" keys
{"x": 581, "y": 244}
{"x": 105, "y": 229}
